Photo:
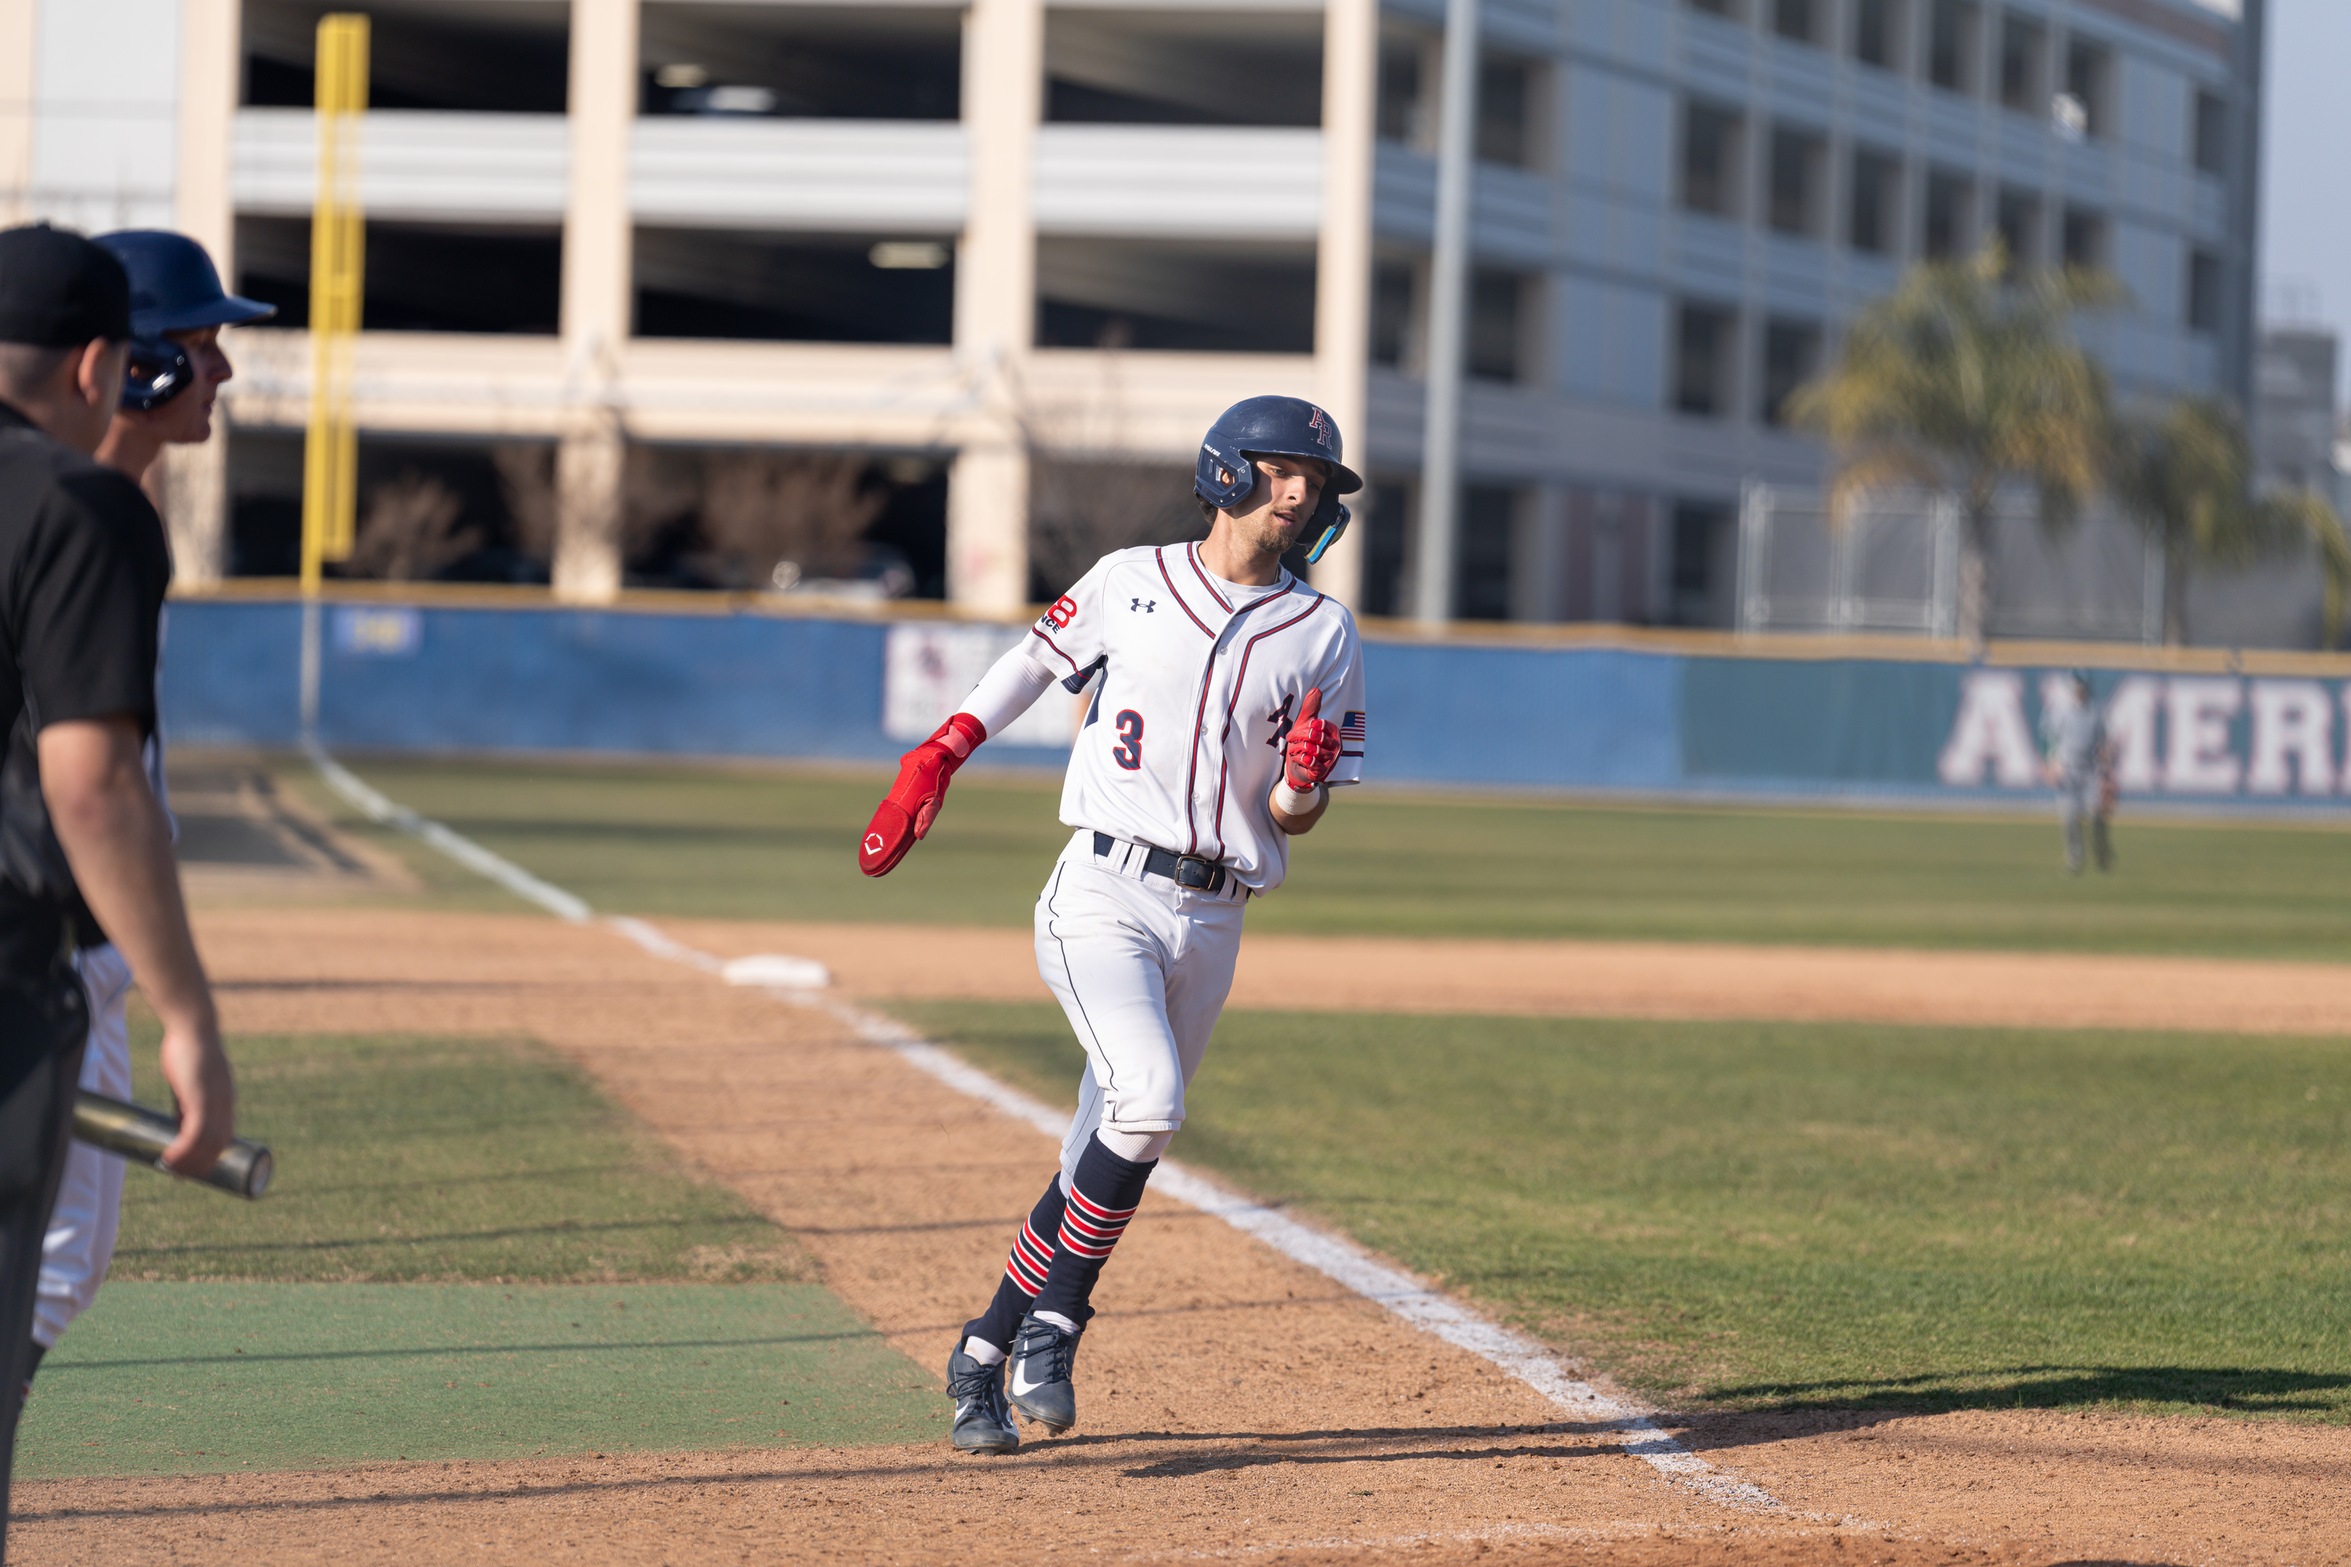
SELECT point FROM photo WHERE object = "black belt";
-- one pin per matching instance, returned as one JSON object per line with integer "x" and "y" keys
{"x": 1189, "y": 871}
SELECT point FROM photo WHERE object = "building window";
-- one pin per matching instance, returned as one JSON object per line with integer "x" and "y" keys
{"x": 2212, "y": 133}
{"x": 1481, "y": 574}
{"x": 1791, "y": 357}
{"x": 2203, "y": 291}
{"x": 1948, "y": 218}
{"x": 1797, "y": 19}
{"x": 2018, "y": 218}
{"x": 1710, "y": 159}
{"x": 1136, "y": 67}
{"x": 771, "y": 62}
{"x": 1877, "y": 201}
{"x": 1797, "y": 177}
{"x": 784, "y": 287}
{"x": 2024, "y": 63}
{"x": 1703, "y": 354}
{"x": 1507, "y": 92}
{"x": 477, "y": 59}
{"x": 2086, "y": 70}
{"x": 1395, "y": 334}
{"x": 1877, "y": 33}
{"x": 1952, "y": 45}
{"x": 1497, "y": 309}
{"x": 1702, "y": 547}
{"x": 2084, "y": 241}
{"x": 1402, "y": 112}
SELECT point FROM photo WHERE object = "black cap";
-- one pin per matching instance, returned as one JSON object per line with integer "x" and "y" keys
{"x": 58, "y": 289}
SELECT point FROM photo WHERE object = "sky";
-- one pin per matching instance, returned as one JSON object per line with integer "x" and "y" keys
{"x": 2306, "y": 154}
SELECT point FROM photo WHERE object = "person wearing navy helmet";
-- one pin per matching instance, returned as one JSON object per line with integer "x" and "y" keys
{"x": 178, "y": 367}
{"x": 176, "y": 371}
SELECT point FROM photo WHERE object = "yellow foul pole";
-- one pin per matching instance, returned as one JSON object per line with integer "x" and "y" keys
{"x": 330, "y": 456}
{"x": 337, "y": 246}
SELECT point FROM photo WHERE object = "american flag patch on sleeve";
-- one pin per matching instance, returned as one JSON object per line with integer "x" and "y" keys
{"x": 1351, "y": 729}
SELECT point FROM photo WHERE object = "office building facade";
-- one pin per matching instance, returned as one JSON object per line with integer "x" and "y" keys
{"x": 1013, "y": 255}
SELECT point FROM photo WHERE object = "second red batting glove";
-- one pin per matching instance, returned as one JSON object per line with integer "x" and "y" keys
{"x": 907, "y": 811}
{"x": 1313, "y": 747}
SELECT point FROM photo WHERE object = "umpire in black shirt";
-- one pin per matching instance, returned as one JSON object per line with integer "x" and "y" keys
{"x": 85, "y": 849}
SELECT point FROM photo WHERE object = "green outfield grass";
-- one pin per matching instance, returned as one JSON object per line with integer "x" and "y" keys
{"x": 468, "y": 1253}
{"x": 743, "y": 843}
{"x": 198, "y": 1378}
{"x": 416, "y": 1158}
{"x": 1801, "y": 1216}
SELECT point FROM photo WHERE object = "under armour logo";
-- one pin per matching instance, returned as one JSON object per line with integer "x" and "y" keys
{"x": 1147, "y": 606}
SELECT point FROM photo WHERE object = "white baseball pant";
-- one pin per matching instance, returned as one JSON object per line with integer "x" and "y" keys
{"x": 80, "y": 1243}
{"x": 1142, "y": 967}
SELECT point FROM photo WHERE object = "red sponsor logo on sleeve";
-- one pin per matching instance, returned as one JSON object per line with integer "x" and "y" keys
{"x": 1064, "y": 610}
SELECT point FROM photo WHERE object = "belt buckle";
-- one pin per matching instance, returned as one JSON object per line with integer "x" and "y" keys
{"x": 1194, "y": 873}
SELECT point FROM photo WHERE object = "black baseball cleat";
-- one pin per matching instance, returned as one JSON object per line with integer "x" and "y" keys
{"x": 982, "y": 1423}
{"x": 1044, "y": 1362}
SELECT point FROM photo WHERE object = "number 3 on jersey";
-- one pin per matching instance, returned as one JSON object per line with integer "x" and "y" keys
{"x": 1128, "y": 753}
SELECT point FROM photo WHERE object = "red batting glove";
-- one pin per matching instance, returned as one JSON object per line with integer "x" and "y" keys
{"x": 1313, "y": 748}
{"x": 912, "y": 804}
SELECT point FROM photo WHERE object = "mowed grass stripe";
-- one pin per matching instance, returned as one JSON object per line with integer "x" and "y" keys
{"x": 1795, "y": 1216}
{"x": 737, "y": 842}
{"x": 469, "y": 1252}
{"x": 413, "y": 1158}
{"x": 203, "y": 1378}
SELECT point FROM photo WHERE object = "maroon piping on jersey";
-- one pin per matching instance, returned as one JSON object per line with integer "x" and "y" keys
{"x": 1160, "y": 555}
{"x": 1192, "y": 554}
{"x": 1225, "y": 769}
{"x": 1200, "y": 724}
{"x": 1056, "y": 647}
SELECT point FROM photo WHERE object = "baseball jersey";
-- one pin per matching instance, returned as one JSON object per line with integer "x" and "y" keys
{"x": 1200, "y": 681}
{"x": 2074, "y": 739}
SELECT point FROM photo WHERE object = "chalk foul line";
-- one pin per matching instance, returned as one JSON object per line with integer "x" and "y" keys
{"x": 1334, "y": 1257}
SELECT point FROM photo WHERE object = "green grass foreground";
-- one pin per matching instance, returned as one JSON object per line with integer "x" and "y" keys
{"x": 1795, "y": 1216}
{"x": 468, "y": 1252}
{"x": 417, "y": 1158}
{"x": 202, "y": 1378}
{"x": 774, "y": 844}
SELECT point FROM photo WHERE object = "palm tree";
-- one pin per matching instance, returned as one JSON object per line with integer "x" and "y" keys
{"x": 1965, "y": 382}
{"x": 2184, "y": 474}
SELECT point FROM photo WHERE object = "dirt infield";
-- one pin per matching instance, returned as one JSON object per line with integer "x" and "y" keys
{"x": 1234, "y": 1403}
{"x": 1694, "y": 980}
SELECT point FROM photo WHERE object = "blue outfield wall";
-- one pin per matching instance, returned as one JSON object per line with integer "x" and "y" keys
{"x": 453, "y": 678}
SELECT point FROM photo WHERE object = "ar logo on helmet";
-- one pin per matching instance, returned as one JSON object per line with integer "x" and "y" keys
{"x": 1320, "y": 425}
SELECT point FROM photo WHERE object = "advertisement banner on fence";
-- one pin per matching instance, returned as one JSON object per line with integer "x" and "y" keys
{"x": 927, "y": 668}
{"x": 2188, "y": 735}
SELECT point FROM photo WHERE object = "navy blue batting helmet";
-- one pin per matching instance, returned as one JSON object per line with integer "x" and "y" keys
{"x": 1276, "y": 427}
{"x": 174, "y": 288}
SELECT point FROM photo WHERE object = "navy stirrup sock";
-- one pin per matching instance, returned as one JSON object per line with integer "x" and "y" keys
{"x": 1024, "y": 1271}
{"x": 1103, "y": 1195}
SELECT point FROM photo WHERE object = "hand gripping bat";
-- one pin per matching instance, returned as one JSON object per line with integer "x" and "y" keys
{"x": 141, "y": 1135}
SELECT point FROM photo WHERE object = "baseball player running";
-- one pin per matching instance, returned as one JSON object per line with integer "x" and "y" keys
{"x": 2080, "y": 766}
{"x": 1206, "y": 749}
{"x": 176, "y": 371}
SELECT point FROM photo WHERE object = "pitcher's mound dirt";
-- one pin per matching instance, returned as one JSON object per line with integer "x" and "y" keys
{"x": 1233, "y": 1403}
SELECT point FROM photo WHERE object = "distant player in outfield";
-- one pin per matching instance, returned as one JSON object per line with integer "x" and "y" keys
{"x": 2080, "y": 765}
{"x": 1205, "y": 751}
{"x": 176, "y": 371}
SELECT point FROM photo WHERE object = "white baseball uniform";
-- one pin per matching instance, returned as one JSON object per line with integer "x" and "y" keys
{"x": 1199, "y": 680}
{"x": 79, "y": 1245}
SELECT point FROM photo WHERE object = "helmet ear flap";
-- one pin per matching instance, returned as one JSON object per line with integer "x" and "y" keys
{"x": 1331, "y": 519}
{"x": 159, "y": 371}
{"x": 1223, "y": 478}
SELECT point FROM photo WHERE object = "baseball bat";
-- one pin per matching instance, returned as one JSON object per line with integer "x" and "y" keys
{"x": 141, "y": 1135}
